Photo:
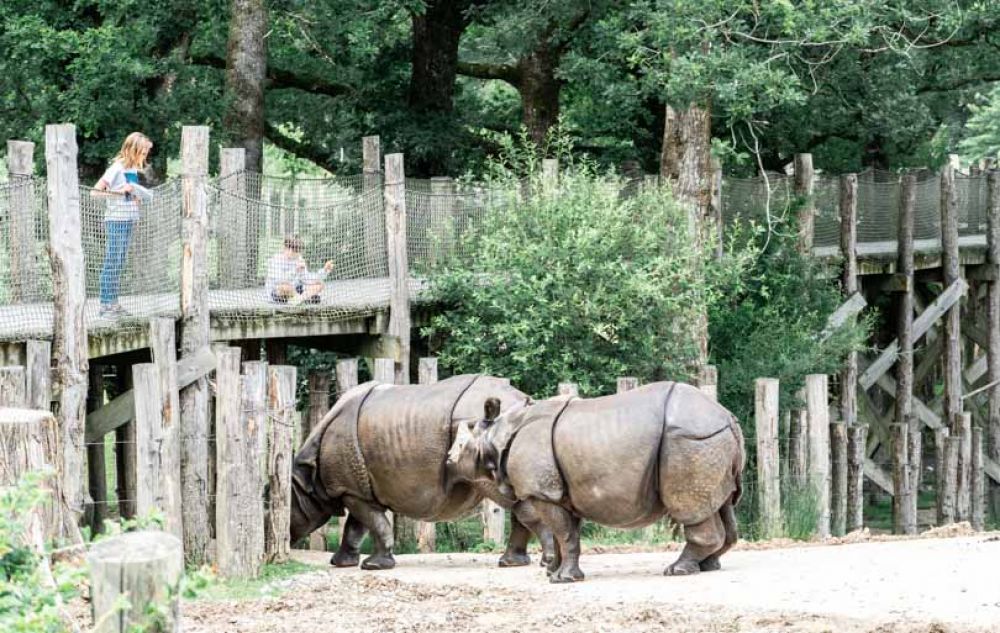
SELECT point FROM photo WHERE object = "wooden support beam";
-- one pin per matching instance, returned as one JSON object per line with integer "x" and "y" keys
{"x": 97, "y": 475}
{"x": 69, "y": 291}
{"x": 838, "y": 478}
{"x": 904, "y": 307}
{"x": 949, "y": 476}
{"x": 878, "y": 476}
{"x": 963, "y": 482}
{"x": 952, "y": 294}
{"x": 122, "y": 409}
{"x": 798, "y": 448}
{"x": 319, "y": 401}
{"x": 977, "y": 482}
{"x": 982, "y": 272}
{"x": 851, "y": 307}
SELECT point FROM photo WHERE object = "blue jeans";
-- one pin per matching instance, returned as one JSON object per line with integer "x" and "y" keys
{"x": 118, "y": 234}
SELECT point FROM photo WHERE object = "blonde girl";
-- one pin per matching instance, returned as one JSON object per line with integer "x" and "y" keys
{"x": 121, "y": 181}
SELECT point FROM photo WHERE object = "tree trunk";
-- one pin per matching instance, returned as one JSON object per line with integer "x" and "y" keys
{"x": 246, "y": 67}
{"x": 436, "y": 33}
{"x": 539, "y": 88}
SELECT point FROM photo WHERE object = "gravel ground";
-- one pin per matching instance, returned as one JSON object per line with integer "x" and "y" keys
{"x": 929, "y": 585}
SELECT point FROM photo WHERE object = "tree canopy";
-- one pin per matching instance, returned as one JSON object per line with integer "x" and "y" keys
{"x": 855, "y": 82}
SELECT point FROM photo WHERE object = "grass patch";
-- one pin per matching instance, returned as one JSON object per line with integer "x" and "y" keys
{"x": 268, "y": 584}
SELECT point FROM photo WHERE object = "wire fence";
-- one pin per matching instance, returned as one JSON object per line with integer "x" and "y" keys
{"x": 133, "y": 244}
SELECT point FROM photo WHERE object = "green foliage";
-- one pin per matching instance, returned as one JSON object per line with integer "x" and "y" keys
{"x": 585, "y": 284}
{"x": 982, "y": 130}
{"x": 269, "y": 583}
{"x": 800, "y": 510}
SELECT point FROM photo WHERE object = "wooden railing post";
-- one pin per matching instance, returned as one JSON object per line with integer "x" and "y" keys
{"x": 952, "y": 320}
{"x": 372, "y": 180}
{"x": 319, "y": 401}
{"x": 817, "y": 406}
{"x": 231, "y": 224}
{"x": 804, "y": 184}
{"x": 427, "y": 374}
{"x": 768, "y": 459}
{"x": 280, "y": 424}
{"x": 905, "y": 499}
{"x": 69, "y": 290}
{"x": 194, "y": 399}
{"x": 399, "y": 270}
{"x": 21, "y": 217}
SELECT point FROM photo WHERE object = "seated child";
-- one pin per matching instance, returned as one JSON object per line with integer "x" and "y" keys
{"x": 288, "y": 279}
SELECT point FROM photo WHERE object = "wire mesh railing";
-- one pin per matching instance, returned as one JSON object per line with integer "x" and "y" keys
{"x": 339, "y": 268}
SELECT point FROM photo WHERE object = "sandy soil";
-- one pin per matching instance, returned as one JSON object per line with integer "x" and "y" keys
{"x": 929, "y": 585}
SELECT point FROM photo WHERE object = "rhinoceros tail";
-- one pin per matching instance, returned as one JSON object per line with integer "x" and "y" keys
{"x": 739, "y": 461}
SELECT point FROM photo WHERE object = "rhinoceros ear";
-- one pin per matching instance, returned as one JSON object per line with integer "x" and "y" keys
{"x": 491, "y": 410}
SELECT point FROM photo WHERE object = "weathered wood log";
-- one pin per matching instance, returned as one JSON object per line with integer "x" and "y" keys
{"x": 29, "y": 442}
{"x": 817, "y": 407}
{"x": 798, "y": 448}
{"x": 569, "y": 389}
{"x": 21, "y": 220}
{"x": 69, "y": 292}
{"x": 903, "y": 521}
{"x": 838, "y": 478}
{"x": 319, "y": 401}
{"x": 914, "y": 453}
{"x": 13, "y": 387}
{"x": 849, "y": 282}
{"x": 194, "y": 327}
{"x": 232, "y": 228}
{"x": 627, "y": 383}
{"x": 427, "y": 374}
{"x": 977, "y": 482}
{"x": 992, "y": 439}
{"x": 856, "y": 436}
{"x": 39, "y": 379}
{"x": 142, "y": 569}
{"x": 384, "y": 370}
{"x": 97, "y": 476}
{"x": 904, "y": 303}
{"x": 371, "y": 167}
{"x": 708, "y": 381}
{"x": 399, "y": 275}
{"x": 949, "y": 476}
{"x": 963, "y": 484}
{"x": 804, "y": 184}
{"x": 280, "y": 454}
{"x": 950, "y": 264}
{"x": 768, "y": 460}
{"x": 158, "y": 468}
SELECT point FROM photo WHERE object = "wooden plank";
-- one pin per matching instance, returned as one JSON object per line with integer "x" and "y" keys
{"x": 878, "y": 476}
{"x": 768, "y": 460}
{"x": 982, "y": 272}
{"x": 281, "y": 424}
{"x": 847, "y": 310}
{"x": 924, "y": 413}
{"x": 817, "y": 406}
{"x": 928, "y": 317}
{"x": 896, "y": 282}
{"x": 122, "y": 409}
{"x": 39, "y": 368}
{"x": 963, "y": 481}
{"x": 399, "y": 297}
{"x": 949, "y": 472}
{"x": 69, "y": 290}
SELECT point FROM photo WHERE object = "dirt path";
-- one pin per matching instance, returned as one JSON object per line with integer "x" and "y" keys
{"x": 927, "y": 585}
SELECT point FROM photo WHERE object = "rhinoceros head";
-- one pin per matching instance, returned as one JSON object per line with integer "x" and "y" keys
{"x": 472, "y": 456}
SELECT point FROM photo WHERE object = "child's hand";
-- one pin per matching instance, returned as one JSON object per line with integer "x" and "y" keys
{"x": 328, "y": 266}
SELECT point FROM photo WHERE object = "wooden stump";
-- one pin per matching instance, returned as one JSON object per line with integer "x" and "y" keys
{"x": 949, "y": 475}
{"x": 29, "y": 442}
{"x": 768, "y": 459}
{"x": 856, "y": 437}
{"x": 281, "y": 423}
{"x": 839, "y": 475}
{"x": 13, "y": 387}
{"x": 817, "y": 406}
{"x": 144, "y": 569}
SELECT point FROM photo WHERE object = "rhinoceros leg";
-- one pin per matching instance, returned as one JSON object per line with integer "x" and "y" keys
{"x": 703, "y": 540}
{"x": 523, "y": 522}
{"x": 565, "y": 528}
{"x": 374, "y": 519}
{"x": 349, "y": 552}
{"x": 728, "y": 518}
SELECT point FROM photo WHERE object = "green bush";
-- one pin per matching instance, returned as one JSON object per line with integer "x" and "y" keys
{"x": 583, "y": 284}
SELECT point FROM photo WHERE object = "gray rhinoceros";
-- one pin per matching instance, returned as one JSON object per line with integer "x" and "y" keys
{"x": 384, "y": 447}
{"x": 623, "y": 460}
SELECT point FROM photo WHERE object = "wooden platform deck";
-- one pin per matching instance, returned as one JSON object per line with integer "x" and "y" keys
{"x": 876, "y": 258}
{"x": 355, "y": 306}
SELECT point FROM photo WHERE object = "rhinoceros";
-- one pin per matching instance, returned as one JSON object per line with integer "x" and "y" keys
{"x": 384, "y": 447}
{"x": 624, "y": 461}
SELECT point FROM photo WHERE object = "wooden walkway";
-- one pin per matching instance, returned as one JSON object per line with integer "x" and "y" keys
{"x": 354, "y": 306}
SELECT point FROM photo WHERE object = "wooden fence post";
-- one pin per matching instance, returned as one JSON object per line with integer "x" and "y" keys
{"x": 372, "y": 181}
{"x": 906, "y": 517}
{"x": 977, "y": 482}
{"x": 768, "y": 459}
{"x": 21, "y": 217}
{"x": 144, "y": 569}
{"x": 817, "y": 406}
{"x": 157, "y": 454}
{"x": 13, "y": 387}
{"x": 232, "y": 223}
{"x": 963, "y": 487}
{"x": 29, "y": 442}
{"x": 194, "y": 399}
{"x": 708, "y": 381}
{"x": 950, "y": 264}
{"x": 798, "y": 447}
{"x": 856, "y": 438}
{"x": 838, "y": 479}
{"x": 319, "y": 401}
{"x": 992, "y": 440}
{"x": 347, "y": 378}
{"x": 949, "y": 472}
{"x": 384, "y": 371}
{"x": 627, "y": 383}
{"x": 399, "y": 270}
{"x": 125, "y": 451}
{"x": 849, "y": 281}
{"x": 804, "y": 184}
{"x": 69, "y": 291}
{"x": 281, "y": 424}
{"x": 903, "y": 517}
{"x": 569, "y": 389}
{"x": 240, "y": 409}
{"x": 97, "y": 475}
{"x": 427, "y": 374}
{"x": 39, "y": 363}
